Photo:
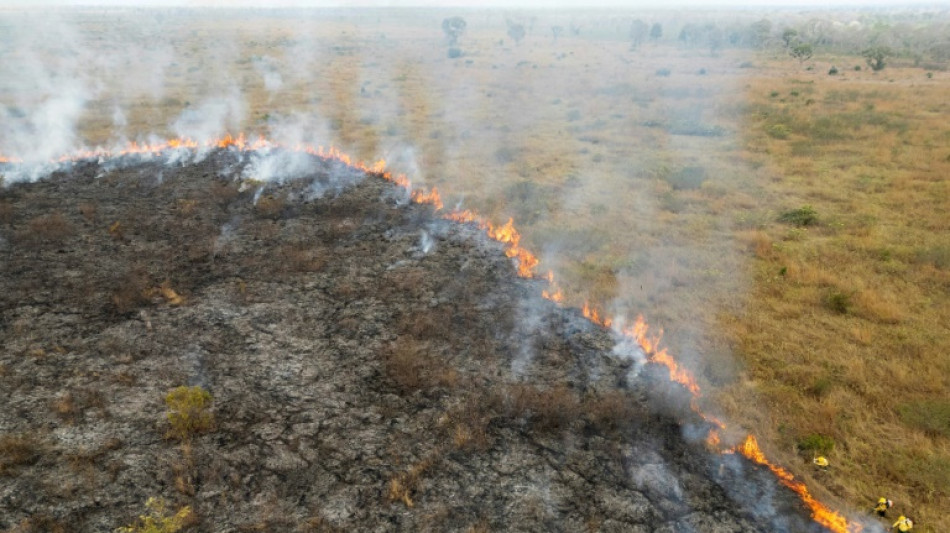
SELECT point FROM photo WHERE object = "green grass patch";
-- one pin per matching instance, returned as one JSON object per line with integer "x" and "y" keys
{"x": 931, "y": 416}
{"x": 803, "y": 216}
{"x": 816, "y": 444}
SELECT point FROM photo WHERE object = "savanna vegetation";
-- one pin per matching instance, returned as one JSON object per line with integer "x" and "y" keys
{"x": 771, "y": 189}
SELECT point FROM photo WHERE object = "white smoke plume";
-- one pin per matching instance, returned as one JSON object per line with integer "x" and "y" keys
{"x": 213, "y": 116}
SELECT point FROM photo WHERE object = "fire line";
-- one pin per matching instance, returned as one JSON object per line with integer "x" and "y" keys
{"x": 527, "y": 262}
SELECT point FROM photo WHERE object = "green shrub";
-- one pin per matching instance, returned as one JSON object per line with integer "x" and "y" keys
{"x": 817, "y": 444}
{"x": 930, "y": 416}
{"x": 188, "y": 412}
{"x": 687, "y": 178}
{"x": 833, "y": 70}
{"x": 838, "y": 301}
{"x": 158, "y": 519}
{"x": 777, "y": 131}
{"x": 665, "y": 72}
{"x": 803, "y": 216}
{"x": 939, "y": 256}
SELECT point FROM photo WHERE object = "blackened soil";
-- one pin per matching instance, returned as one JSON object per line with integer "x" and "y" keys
{"x": 373, "y": 368}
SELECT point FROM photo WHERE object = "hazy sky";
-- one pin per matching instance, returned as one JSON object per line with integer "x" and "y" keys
{"x": 483, "y": 3}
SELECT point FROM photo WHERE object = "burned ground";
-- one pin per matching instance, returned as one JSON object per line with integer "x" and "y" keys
{"x": 373, "y": 368}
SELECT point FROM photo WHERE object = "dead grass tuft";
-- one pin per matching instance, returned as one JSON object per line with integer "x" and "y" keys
{"x": 878, "y": 306}
{"x": 404, "y": 485}
{"x": 412, "y": 366}
{"x": 18, "y": 450}
{"x": 53, "y": 228}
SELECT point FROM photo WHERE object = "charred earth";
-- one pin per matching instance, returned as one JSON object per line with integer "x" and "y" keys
{"x": 373, "y": 367}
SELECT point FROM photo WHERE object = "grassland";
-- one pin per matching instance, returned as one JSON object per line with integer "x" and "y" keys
{"x": 785, "y": 226}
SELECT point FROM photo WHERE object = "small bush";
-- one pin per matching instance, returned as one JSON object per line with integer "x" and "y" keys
{"x": 803, "y": 216}
{"x": 687, "y": 178}
{"x": 857, "y": 68}
{"x": 838, "y": 301}
{"x": 505, "y": 155}
{"x": 778, "y": 131}
{"x": 702, "y": 72}
{"x": 665, "y": 72}
{"x": 746, "y": 64}
{"x": 53, "y": 228}
{"x": 159, "y": 520}
{"x": 930, "y": 416}
{"x": 939, "y": 256}
{"x": 833, "y": 71}
{"x": 816, "y": 444}
{"x": 454, "y": 53}
{"x": 546, "y": 410}
{"x": 188, "y": 412}
{"x": 271, "y": 207}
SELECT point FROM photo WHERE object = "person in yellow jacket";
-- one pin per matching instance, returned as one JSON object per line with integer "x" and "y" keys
{"x": 883, "y": 504}
{"x": 821, "y": 462}
{"x": 903, "y": 524}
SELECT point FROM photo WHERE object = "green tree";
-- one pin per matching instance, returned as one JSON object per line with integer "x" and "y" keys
{"x": 876, "y": 56}
{"x": 639, "y": 31}
{"x": 516, "y": 31}
{"x": 789, "y": 36}
{"x": 656, "y": 31}
{"x": 802, "y": 52}
{"x": 759, "y": 33}
{"x": 453, "y": 27}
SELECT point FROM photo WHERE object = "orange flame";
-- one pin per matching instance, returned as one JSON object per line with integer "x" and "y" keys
{"x": 506, "y": 234}
{"x": 554, "y": 294}
{"x": 594, "y": 316}
{"x": 833, "y": 520}
{"x": 431, "y": 197}
{"x": 650, "y": 345}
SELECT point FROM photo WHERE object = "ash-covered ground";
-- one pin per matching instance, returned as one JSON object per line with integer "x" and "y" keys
{"x": 373, "y": 368}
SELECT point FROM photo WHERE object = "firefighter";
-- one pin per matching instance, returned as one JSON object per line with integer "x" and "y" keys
{"x": 883, "y": 504}
{"x": 821, "y": 462}
{"x": 903, "y": 524}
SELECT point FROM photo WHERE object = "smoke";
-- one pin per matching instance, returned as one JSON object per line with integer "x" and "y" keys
{"x": 45, "y": 92}
{"x": 426, "y": 244}
{"x": 279, "y": 165}
{"x": 268, "y": 71}
{"x": 212, "y": 116}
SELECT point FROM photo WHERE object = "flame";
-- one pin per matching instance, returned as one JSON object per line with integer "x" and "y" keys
{"x": 554, "y": 294}
{"x": 638, "y": 331}
{"x": 594, "y": 316}
{"x": 527, "y": 262}
{"x": 749, "y": 448}
{"x": 431, "y": 197}
{"x": 506, "y": 234}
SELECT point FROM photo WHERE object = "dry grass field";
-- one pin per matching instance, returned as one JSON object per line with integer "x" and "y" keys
{"x": 787, "y": 228}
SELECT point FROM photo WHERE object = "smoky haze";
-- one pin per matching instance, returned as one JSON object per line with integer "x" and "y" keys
{"x": 597, "y": 132}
